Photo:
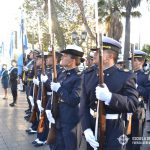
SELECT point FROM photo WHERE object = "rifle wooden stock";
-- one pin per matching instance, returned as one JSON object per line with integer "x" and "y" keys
{"x": 129, "y": 125}
{"x": 54, "y": 109}
{"x": 129, "y": 116}
{"x": 51, "y": 134}
{"x": 41, "y": 125}
{"x": 33, "y": 117}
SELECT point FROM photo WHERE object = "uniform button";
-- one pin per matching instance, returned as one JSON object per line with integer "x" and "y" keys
{"x": 95, "y": 102}
{"x": 107, "y": 75}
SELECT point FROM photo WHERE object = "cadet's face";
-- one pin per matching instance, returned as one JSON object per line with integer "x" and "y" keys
{"x": 31, "y": 55}
{"x": 66, "y": 60}
{"x": 49, "y": 61}
{"x": 96, "y": 58}
{"x": 106, "y": 57}
{"x": 4, "y": 67}
{"x": 120, "y": 66}
{"x": 39, "y": 62}
{"x": 89, "y": 62}
{"x": 14, "y": 64}
{"x": 137, "y": 64}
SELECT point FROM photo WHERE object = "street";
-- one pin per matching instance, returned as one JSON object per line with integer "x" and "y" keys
{"x": 13, "y": 126}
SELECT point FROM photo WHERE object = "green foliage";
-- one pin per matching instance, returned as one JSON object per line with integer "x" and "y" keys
{"x": 146, "y": 48}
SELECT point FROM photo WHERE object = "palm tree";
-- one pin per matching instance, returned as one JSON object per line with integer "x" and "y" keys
{"x": 129, "y": 5}
{"x": 110, "y": 12}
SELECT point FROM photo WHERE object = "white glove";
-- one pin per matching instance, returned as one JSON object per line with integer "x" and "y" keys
{"x": 40, "y": 105}
{"x": 25, "y": 68}
{"x": 89, "y": 136}
{"x": 44, "y": 78}
{"x": 55, "y": 86}
{"x": 103, "y": 94}
{"x": 136, "y": 85}
{"x": 36, "y": 81}
{"x": 49, "y": 116}
{"x": 31, "y": 100}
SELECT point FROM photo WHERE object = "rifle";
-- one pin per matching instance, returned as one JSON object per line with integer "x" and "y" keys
{"x": 129, "y": 115}
{"x": 43, "y": 90}
{"x": 100, "y": 125}
{"x": 54, "y": 100}
{"x": 35, "y": 92}
{"x": 43, "y": 99}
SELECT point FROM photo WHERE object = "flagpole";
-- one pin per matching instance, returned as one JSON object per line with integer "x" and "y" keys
{"x": 50, "y": 21}
{"x": 39, "y": 33}
{"x": 22, "y": 30}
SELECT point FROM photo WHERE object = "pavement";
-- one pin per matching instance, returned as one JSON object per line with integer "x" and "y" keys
{"x": 13, "y": 126}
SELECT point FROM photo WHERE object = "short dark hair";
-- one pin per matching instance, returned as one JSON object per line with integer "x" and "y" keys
{"x": 13, "y": 61}
{"x": 77, "y": 59}
{"x": 58, "y": 57}
{"x": 4, "y": 65}
{"x": 115, "y": 54}
{"x": 140, "y": 59}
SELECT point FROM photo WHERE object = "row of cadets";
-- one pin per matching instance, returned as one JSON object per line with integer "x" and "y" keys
{"x": 143, "y": 88}
{"x": 45, "y": 80}
{"x": 41, "y": 96}
{"x": 33, "y": 97}
{"x": 28, "y": 78}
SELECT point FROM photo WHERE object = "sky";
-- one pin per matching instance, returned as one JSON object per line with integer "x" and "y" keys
{"x": 7, "y": 15}
{"x": 139, "y": 27}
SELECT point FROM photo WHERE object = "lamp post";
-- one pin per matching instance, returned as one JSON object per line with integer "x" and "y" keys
{"x": 78, "y": 39}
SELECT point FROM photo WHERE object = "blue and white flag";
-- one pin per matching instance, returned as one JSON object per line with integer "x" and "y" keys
{"x": 11, "y": 46}
{"x": 23, "y": 31}
{"x": 20, "y": 64}
{"x": 2, "y": 49}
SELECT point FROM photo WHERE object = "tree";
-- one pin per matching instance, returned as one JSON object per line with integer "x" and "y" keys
{"x": 129, "y": 5}
{"x": 110, "y": 15}
{"x": 146, "y": 48}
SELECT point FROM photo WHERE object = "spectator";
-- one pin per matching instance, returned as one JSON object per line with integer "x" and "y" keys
{"x": 4, "y": 80}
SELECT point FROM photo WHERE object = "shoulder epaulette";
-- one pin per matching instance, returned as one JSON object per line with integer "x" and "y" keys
{"x": 88, "y": 70}
{"x": 126, "y": 70}
{"x": 147, "y": 72}
{"x": 79, "y": 73}
{"x": 149, "y": 77}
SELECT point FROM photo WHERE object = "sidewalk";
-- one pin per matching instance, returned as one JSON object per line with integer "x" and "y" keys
{"x": 13, "y": 125}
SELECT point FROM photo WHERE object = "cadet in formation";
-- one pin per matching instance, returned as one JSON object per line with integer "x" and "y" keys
{"x": 143, "y": 88}
{"x": 68, "y": 89}
{"x": 119, "y": 95}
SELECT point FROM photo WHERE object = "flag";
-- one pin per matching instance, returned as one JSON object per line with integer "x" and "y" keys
{"x": 20, "y": 64}
{"x": 2, "y": 46}
{"x": 23, "y": 33}
{"x": 2, "y": 49}
{"x": 11, "y": 46}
